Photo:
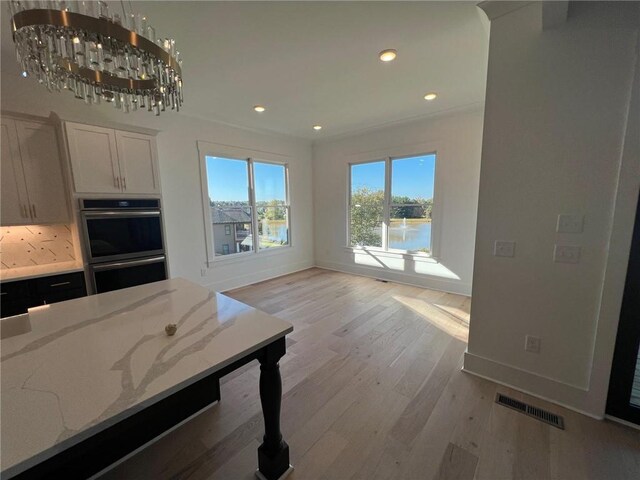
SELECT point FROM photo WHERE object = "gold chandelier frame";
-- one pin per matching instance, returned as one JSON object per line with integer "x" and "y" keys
{"x": 105, "y": 28}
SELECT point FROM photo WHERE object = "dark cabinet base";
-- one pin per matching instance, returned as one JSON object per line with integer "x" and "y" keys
{"x": 18, "y": 296}
{"x": 97, "y": 452}
{"x": 101, "y": 450}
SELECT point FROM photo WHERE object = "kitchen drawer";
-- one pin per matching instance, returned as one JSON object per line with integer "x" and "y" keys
{"x": 54, "y": 284}
{"x": 18, "y": 305}
{"x": 14, "y": 298}
{"x": 62, "y": 295}
{"x": 13, "y": 291}
{"x": 9, "y": 309}
{"x": 20, "y": 295}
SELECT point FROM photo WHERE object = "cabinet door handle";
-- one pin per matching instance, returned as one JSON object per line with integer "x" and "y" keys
{"x": 60, "y": 284}
{"x": 33, "y": 211}
{"x": 124, "y": 183}
{"x": 4, "y": 293}
{"x": 23, "y": 211}
{"x": 118, "y": 183}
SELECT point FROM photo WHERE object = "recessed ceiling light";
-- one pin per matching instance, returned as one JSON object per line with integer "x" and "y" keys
{"x": 259, "y": 108}
{"x": 317, "y": 127}
{"x": 388, "y": 55}
{"x": 431, "y": 96}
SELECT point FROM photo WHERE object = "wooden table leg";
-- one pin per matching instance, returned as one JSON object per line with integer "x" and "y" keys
{"x": 273, "y": 454}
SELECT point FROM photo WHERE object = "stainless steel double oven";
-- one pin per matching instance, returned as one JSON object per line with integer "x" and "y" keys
{"x": 123, "y": 240}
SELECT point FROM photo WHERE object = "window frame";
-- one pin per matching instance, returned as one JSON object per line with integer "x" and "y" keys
{"x": 387, "y": 206}
{"x": 206, "y": 149}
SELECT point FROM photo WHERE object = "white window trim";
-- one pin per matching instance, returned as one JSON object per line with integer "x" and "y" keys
{"x": 406, "y": 151}
{"x": 208, "y": 149}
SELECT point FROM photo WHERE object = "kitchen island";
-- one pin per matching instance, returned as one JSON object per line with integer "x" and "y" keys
{"x": 87, "y": 381}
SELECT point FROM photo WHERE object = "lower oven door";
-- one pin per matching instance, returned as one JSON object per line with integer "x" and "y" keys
{"x": 106, "y": 277}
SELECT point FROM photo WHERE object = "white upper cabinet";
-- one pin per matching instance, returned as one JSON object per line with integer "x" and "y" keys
{"x": 94, "y": 158}
{"x": 13, "y": 189}
{"x": 33, "y": 190}
{"x": 138, "y": 162}
{"x": 108, "y": 161}
{"x": 43, "y": 172}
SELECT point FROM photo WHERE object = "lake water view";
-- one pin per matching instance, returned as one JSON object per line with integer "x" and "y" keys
{"x": 273, "y": 233}
{"x": 410, "y": 235}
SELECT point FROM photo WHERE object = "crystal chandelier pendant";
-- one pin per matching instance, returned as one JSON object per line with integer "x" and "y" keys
{"x": 95, "y": 56}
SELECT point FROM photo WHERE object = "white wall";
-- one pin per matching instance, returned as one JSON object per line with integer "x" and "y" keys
{"x": 555, "y": 122}
{"x": 457, "y": 137}
{"x": 180, "y": 178}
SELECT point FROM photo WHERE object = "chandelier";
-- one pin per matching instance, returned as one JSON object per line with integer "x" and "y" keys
{"x": 81, "y": 47}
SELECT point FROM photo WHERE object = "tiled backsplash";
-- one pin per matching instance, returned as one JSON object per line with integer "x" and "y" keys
{"x": 35, "y": 245}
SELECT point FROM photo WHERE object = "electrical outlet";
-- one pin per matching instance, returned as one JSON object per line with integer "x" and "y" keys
{"x": 532, "y": 344}
{"x": 570, "y": 223}
{"x": 566, "y": 254}
{"x": 504, "y": 249}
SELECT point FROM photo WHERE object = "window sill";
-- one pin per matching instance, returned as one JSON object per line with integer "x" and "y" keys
{"x": 247, "y": 257}
{"x": 378, "y": 252}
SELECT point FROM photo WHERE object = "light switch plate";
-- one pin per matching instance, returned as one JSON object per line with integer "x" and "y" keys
{"x": 566, "y": 254}
{"x": 532, "y": 344}
{"x": 504, "y": 248}
{"x": 568, "y": 223}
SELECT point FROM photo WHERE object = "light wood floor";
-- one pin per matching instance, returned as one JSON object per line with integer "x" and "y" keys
{"x": 373, "y": 389}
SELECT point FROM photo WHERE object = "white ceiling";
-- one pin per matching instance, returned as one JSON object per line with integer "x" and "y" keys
{"x": 317, "y": 62}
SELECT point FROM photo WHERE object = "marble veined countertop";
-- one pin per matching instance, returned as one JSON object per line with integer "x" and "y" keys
{"x": 73, "y": 368}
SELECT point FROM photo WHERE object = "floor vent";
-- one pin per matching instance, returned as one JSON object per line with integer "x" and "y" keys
{"x": 535, "y": 412}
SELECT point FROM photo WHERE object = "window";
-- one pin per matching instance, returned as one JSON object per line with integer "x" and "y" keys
{"x": 271, "y": 204}
{"x": 391, "y": 203}
{"x": 247, "y": 196}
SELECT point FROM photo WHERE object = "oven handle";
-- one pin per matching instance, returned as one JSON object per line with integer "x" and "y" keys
{"x": 116, "y": 213}
{"x": 133, "y": 263}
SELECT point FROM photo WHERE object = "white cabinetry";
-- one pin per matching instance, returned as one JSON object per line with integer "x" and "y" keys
{"x": 94, "y": 159}
{"x": 138, "y": 162}
{"x": 33, "y": 190}
{"x": 13, "y": 189}
{"x": 107, "y": 161}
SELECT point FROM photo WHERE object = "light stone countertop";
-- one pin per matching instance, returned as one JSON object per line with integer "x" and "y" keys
{"x": 25, "y": 273}
{"x": 85, "y": 364}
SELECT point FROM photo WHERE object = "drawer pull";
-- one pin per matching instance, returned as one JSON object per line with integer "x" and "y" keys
{"x": 59, "y": 284}
{"x": 4, "y": 293}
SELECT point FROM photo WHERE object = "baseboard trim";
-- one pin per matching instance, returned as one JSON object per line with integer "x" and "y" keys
{"x": 558, "y": 393}
{"x": 430, "y": 282}
{"x": 622, "y": 422}
{"x": 259, "y": 276}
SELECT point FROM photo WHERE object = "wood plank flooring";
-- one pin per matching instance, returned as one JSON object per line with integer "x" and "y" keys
{"x": 373, "y": 390}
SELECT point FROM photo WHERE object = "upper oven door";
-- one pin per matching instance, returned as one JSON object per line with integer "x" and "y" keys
{"x": 120, "y": 235}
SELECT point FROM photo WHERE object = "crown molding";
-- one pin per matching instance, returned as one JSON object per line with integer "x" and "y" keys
{"x": 496, "y": 9}
{"x": 468, "y": 108}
